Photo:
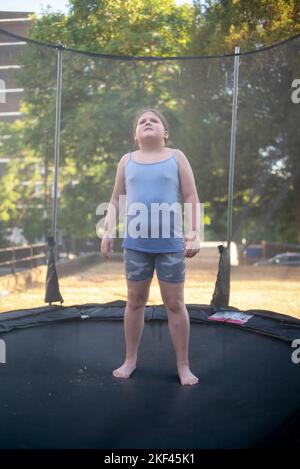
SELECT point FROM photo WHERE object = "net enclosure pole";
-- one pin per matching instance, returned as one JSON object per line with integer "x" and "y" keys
{"x": 232, "y": 145}
{"x": 57, "y": 138}
{"x": 52, "y": 285}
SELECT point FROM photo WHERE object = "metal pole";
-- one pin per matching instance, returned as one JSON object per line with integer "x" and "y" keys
{"x": 46, "y": 136}
{"x": 232, "y": 145}
{"x": 57, "y": 137}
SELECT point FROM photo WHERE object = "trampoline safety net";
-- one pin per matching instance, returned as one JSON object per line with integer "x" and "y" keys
{"x": 69, "y": 361}
{"x": 100, "y": 95}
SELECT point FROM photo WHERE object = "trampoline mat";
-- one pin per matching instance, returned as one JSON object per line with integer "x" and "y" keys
{"x": 57, "y": 390}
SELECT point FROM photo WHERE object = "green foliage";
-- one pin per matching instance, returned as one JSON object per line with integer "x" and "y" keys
{"x": 100, "y": 97}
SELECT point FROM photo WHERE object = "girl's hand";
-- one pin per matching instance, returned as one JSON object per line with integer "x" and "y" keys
{"x": 107, "y": 245}
{"x": 191, "y": 244}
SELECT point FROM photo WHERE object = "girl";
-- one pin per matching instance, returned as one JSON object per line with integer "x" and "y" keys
{"x": 154, "y": 174}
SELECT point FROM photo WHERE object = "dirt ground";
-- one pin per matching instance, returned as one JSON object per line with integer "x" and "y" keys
{"x": 269, "y": 288}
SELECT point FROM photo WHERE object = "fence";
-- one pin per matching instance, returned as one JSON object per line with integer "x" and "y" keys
{"x": 22, "y": 257}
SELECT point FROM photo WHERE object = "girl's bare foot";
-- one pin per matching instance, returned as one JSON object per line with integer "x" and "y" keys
{"x": 125, "y": 371}
{"x": 186, "y": 376}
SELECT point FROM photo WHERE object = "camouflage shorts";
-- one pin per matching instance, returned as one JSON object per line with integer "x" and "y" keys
{"x": 169, "y": 266}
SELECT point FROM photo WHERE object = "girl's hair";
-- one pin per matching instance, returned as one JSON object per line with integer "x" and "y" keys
{"x": 155, "y": 111}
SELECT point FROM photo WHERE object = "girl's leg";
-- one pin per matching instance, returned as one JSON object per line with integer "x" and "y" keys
{"x": 179, "y": 325}
{"x": 138, "y": 294}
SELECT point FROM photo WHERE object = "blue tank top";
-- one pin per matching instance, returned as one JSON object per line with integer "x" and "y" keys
{"x": 153, "y": 212}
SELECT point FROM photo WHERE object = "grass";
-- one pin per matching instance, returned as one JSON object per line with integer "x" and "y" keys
{"x": 271, "y": 288}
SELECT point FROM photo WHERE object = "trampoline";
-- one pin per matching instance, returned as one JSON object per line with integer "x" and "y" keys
{"x": 57, "y": 388}
{"x": 58, "y": 391}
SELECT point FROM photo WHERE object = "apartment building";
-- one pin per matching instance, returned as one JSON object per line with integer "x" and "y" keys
{"x": 10, "y": 49}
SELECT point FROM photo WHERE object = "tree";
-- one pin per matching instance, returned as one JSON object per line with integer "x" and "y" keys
{"x": 101, "y": 95}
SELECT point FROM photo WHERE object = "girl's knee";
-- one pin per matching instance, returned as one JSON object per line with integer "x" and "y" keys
{"x": 137, "y": 301}
{"x": 174, "y": 305}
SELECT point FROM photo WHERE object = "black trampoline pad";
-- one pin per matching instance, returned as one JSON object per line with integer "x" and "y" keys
{"x": 57, "y": 390}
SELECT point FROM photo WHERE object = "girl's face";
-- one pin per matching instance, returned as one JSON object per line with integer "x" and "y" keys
{"x": 150, "y": 129}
